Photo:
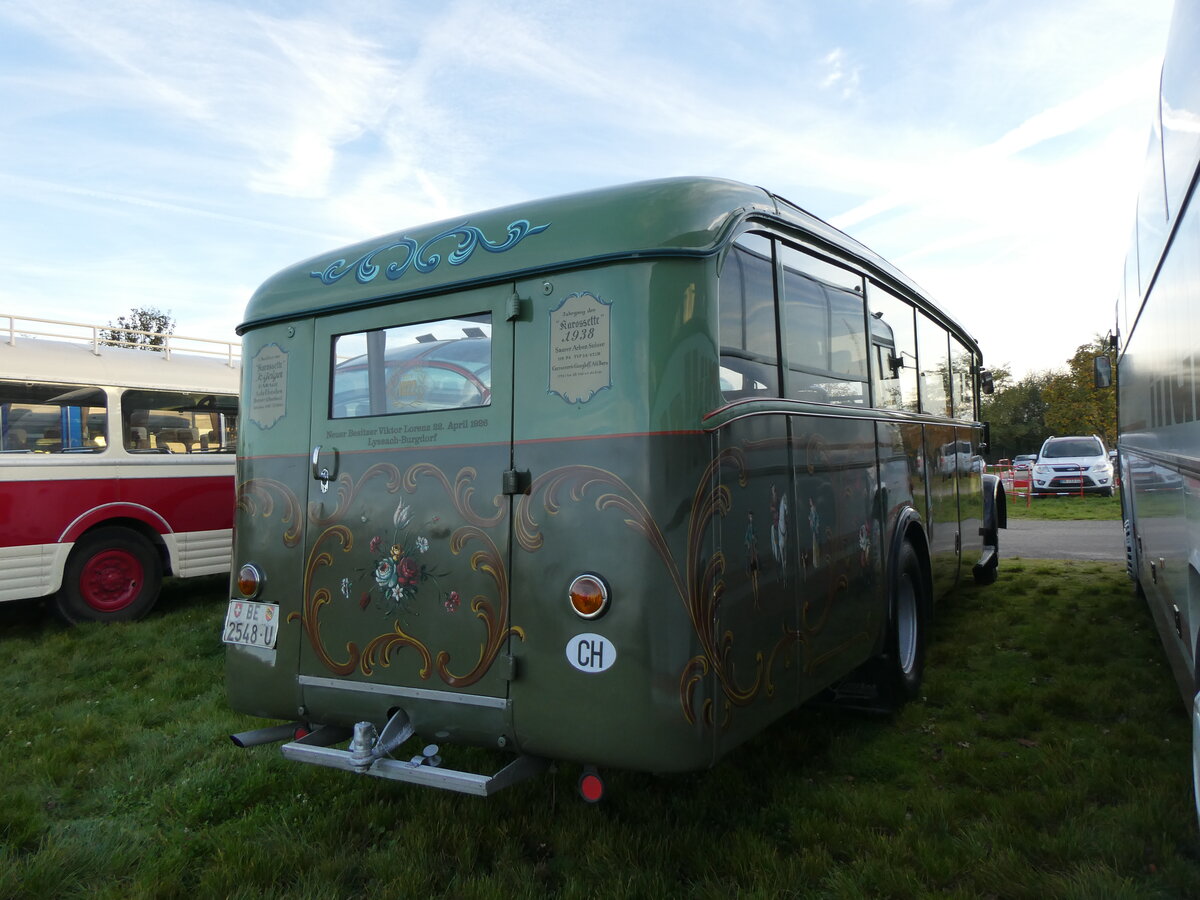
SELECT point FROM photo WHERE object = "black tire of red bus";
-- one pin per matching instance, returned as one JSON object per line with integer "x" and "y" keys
{"x": 112, "y": 575}
{"x": 903, "y": 663}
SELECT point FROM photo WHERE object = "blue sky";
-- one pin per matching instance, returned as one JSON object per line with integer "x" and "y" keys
{"x": 176, "y": 154}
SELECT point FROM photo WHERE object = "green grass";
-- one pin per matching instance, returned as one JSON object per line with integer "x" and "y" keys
{"x": 1089, "y": 507}
{"x": 1048, "y": 757}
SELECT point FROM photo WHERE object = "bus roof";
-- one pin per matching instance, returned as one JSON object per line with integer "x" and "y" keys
{"x": 668, "y": 217}
{"x": 64, "y": 362}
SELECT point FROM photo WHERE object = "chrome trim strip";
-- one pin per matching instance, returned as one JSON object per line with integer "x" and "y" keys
{"x": 338, "y": 684}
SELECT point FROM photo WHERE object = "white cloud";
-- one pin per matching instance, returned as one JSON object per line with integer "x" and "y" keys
{"x": 840, "y": 78}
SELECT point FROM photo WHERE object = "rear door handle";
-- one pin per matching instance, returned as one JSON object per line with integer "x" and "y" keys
{"x": 321, "y": 473}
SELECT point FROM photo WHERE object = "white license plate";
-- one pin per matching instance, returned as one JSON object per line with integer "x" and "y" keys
{"x": 252, "y": 624}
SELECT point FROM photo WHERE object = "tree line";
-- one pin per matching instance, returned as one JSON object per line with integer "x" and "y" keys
{"x": 1024, "y": 413}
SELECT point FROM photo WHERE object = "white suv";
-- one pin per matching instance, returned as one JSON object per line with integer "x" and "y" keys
{"x": 1069, "y": 465}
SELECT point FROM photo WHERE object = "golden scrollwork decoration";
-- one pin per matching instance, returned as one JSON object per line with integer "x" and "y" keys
{"x": 380, "y": 651}
{"x": 698, "y": 583}
{"x": 256, "y": 498}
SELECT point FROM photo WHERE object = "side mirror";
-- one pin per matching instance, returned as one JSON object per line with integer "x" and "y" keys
{"x": 986, "y": 383}
{"x": 1102, "y": 372}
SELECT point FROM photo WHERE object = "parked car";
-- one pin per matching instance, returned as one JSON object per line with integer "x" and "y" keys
{"x": 954, "y": 457}
{"x": 1073, "y": 464}
{"x": 1024, "y": 460}
{"x": 1148, "y": 476}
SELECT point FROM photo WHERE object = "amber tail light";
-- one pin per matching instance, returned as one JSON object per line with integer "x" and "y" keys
{"x": 588, "y": 595}
{"x": 249, "y": 581}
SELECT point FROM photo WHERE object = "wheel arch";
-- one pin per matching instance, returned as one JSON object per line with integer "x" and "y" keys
{"x": 995, "y": 503}
{"x": 141, "y": 520}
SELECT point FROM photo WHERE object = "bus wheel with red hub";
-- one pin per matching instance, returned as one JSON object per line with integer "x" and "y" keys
{"x": 112, "y": 575}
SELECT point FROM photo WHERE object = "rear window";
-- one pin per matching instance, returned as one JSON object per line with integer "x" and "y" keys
{"x": 429, "y": 366}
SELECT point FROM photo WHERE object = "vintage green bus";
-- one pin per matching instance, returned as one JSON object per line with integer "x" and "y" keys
{"x": 615, "y": 478}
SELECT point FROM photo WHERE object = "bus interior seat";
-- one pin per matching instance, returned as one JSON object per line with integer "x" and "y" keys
{"x": 16, "y": 439}
{"x": 178, "y": 440}
{"x": 51, "y": 440}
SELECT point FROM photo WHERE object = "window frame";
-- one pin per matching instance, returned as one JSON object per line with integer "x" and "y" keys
{"x": 385, "y": 379}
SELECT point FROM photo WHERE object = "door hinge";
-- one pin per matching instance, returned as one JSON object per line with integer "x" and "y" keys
{"x": 514, "y": 307}
{"x": 516, "y": 481}
{"x": 510, "y": 667}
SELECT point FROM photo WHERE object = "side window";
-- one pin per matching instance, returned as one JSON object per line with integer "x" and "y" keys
{"x": 178, "y": 422}
{"x": 429, "y": 366}
{"x": 749, "y": 358}
{"x": 52, "y": 418}
{"x": 963, "y": 382}
{"x": 933, "y": 348}
{"x": 893, "y": 351}
{"x": 825, "y": 330}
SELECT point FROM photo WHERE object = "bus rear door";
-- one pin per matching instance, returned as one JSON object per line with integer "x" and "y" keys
{"x": 406, "y": 586}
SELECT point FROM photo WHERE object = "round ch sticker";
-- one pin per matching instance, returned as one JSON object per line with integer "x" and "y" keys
{"x": 591, "y": 653}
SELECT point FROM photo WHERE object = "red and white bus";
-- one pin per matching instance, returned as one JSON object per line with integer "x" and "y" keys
{"x": 117, "y": 466}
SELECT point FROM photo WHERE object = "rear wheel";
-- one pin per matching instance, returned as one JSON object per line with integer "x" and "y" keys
{"x": 112, "y": 575}
{"x": 903, "y": 664}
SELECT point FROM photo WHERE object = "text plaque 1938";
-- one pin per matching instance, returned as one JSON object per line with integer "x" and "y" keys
{"x": 580, "y": 347}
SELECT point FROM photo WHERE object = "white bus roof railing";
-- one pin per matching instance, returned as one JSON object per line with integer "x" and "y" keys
{"x": 82, "y": 332}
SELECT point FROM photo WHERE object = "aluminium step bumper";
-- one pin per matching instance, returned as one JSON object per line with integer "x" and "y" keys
{"x": 316, "y": 748}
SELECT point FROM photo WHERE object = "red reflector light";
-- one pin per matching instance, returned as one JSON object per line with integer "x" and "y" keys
{"x": 249, "y": 581}
{"x": 588, "y": 595}
{"x": 591, "y": 785}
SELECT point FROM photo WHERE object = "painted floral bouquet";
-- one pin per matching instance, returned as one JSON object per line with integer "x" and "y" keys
{"x": 399, "y": 573}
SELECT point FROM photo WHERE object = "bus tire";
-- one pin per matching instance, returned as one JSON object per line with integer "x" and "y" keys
{"x": 904, "y": 655}
{"x": 112, "y": 575}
